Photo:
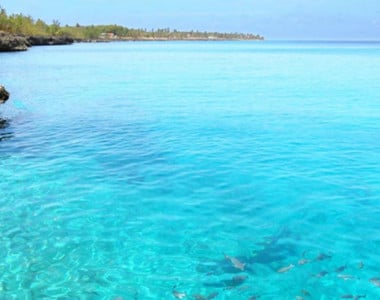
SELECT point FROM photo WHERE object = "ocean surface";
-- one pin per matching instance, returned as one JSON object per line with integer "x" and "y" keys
{"x": 191, "y": 170}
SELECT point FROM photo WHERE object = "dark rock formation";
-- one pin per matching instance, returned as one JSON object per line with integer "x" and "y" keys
{"x": 4, "y": 95}
{"x": 10, "y": 42}
{"x": 49, "y": 40}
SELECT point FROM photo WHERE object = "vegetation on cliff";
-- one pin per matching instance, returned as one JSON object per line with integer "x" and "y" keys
{"x": 26, "y": 25}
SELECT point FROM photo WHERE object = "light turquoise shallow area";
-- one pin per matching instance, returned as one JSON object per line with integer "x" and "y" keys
{"x": 129, "y": 171}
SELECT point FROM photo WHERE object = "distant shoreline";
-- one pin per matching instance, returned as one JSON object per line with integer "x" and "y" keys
{"x": 143, "y": 39}
{"x": 14, "y": 43}
{"x": 18, "y": 32}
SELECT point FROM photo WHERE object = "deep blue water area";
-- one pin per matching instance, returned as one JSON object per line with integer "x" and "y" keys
{"x": 191, "y": 170}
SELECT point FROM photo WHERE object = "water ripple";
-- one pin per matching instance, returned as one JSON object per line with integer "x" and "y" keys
{"x": 205, "y": 171}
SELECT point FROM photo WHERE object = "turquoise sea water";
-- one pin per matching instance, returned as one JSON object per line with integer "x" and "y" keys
{"x": 191, "y": 169}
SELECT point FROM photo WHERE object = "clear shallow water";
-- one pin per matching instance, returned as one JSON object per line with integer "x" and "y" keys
{"x": 129, "y": 171}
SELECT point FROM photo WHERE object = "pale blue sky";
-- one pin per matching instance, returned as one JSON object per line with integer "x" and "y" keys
{"x": 275, "y": 19}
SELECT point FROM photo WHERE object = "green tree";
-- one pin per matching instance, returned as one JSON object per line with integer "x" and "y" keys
{"x": 54, "y": 27}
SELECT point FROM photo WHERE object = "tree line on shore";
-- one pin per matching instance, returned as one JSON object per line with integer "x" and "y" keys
{"x": 25, "y": 25}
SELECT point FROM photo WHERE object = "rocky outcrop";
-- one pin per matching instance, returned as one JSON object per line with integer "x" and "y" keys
{"x": 49, "y": 40}
{"x": 4, "y": 95}
{"x": 10, "y": 42}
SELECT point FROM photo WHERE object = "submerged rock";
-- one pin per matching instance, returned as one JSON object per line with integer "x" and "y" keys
{"x": 10, "y": 42}
{"x": 4, "y": 95}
